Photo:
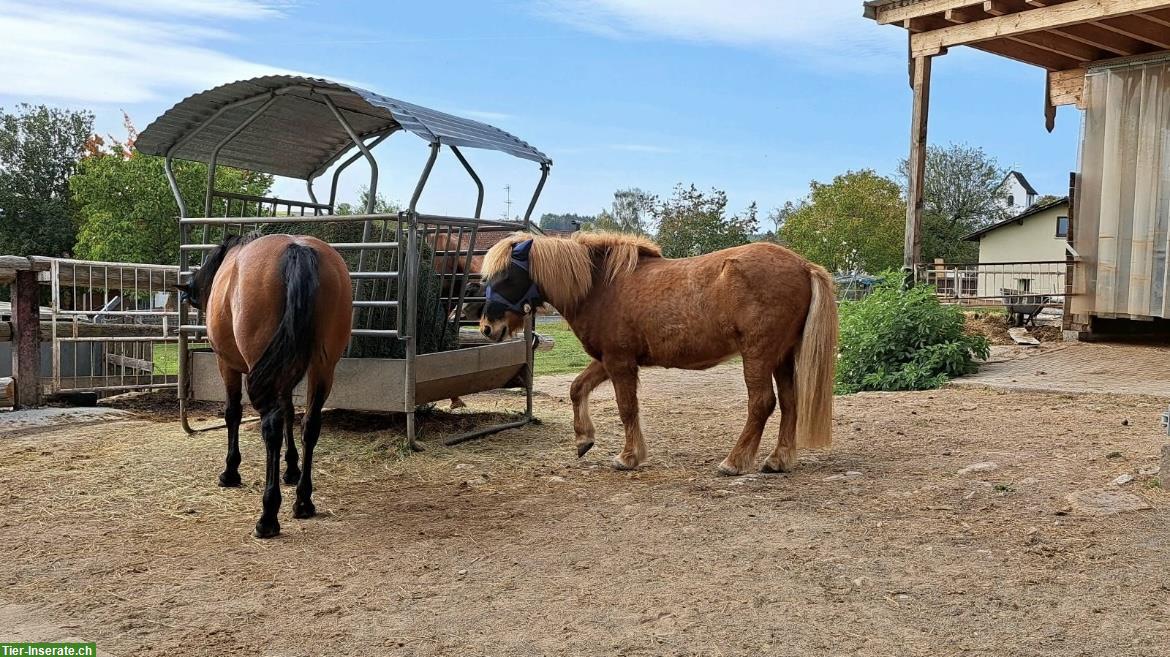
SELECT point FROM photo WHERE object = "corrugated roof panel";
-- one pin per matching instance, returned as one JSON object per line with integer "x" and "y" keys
{"x": 298, "y": 135}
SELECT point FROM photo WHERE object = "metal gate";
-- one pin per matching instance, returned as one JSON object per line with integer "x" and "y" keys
{"x": 113, "y": 327}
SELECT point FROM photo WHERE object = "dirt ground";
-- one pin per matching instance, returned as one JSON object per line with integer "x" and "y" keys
{"x": 116, "y": 533}
{"x": 994, "y": 326}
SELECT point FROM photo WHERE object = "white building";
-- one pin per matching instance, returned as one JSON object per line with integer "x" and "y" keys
{"x": 1019, "y": 195}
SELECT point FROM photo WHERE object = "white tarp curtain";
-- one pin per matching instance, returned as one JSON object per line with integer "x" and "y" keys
{"x": 1123, "y": 199}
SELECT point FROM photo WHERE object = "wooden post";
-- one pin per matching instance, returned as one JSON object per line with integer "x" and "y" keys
{"x": 26, "y": 339}
{"x": 920, "y": 81}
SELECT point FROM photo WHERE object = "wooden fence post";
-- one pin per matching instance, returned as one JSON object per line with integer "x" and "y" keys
{"x": 26, "y": 339}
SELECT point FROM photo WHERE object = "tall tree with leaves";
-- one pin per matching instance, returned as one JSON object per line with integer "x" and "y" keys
{"x": 962, "y": 192}
{"x": 630, "y": 212}
{"x": 854, "y": 223}
{"x": 125, "y": 207}
{"x": 39, "y": 150}
{"x": 692, "y": 223}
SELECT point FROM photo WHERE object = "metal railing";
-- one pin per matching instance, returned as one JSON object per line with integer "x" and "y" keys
{"x": 113, "y": 326}
{"x": 994, "y": 283}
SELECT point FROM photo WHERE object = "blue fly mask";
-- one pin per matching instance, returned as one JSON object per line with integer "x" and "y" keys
{"x": 521, "y": 258}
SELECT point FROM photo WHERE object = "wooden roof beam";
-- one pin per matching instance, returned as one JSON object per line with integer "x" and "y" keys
{"x": 898, "y": 14}
{"x": 1063, "y": 46}
{"x": 1106, "y": 40}
{"x": 1034, "y": 20}
{"x": 1135, "y": 28}
{"x": 1028, "y": 54}
{"x": 1156, "y": 17}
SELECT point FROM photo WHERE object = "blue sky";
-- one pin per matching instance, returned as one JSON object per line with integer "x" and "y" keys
{"x": 756, "y": 97}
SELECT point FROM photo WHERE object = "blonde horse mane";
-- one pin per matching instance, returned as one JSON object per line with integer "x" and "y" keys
{"x": 563, "y": 267}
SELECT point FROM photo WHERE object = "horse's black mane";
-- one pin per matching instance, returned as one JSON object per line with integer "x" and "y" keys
{"x": 200, "y": 284}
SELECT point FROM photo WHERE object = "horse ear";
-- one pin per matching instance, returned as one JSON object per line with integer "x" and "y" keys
{"x": 521, "y": 250}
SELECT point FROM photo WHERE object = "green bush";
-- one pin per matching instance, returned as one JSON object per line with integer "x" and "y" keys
{"x": 898, "y": 339}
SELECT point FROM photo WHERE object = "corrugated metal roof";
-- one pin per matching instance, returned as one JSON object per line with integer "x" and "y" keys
{"x": 298, "y": 136}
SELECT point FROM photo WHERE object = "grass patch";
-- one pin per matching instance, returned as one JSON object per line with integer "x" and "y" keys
{"x": 166, "y": 357}
{"x": 566, "y": 357}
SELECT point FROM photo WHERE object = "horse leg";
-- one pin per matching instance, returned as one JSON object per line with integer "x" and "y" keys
{"x": 585, "y": 383}
{"x": 318, "y": 390}
{"x": 783, "y": 458}
{"x": 271, "y": 426}
{"x": 233, "y": 412}
{"x": 625, "y": 386}
{"x": 292, "y": 474}
{"x": 757, "y": 374}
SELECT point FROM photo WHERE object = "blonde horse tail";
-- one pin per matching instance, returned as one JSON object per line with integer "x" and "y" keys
{"x": 815, "y": 363}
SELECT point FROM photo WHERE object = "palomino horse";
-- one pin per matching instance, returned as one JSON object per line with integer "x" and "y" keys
{"x": 631, "y": 307}
{"x": 278, "y": 308}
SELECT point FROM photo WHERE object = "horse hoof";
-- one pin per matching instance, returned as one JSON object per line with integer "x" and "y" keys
{"x": 229, "y": 480}
{"x": 768, "y": 468}
{"x": 266, "y": 530}
{"x": 728, "y": 469}
{"x": 584, "y": 448}
{"x": 292, "y": 477}
{"x": 303, "y": 510}
{"x": 620, "y": 463}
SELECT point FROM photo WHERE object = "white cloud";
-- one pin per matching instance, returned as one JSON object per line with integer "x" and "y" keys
{"x": 122, "y": 52}
{"x": 824, "y": 30}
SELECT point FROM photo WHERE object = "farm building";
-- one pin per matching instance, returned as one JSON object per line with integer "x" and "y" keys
{"x": 1110, "y": 58}
{"x": 1038, "y": 234}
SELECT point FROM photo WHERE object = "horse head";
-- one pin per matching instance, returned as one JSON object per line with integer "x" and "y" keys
{"x": 510, "y": 294}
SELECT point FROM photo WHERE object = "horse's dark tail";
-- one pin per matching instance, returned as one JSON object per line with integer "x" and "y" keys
{"x": 286, "y": 359}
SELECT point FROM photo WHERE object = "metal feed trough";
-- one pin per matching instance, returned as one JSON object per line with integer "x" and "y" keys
{"x": 300, "y": 127}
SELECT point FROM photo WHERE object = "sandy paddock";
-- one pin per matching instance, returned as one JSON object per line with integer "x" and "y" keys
{"x": 116, "y": 532}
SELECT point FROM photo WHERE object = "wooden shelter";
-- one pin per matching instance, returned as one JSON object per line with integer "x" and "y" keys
{"x": 1110, "y": 58}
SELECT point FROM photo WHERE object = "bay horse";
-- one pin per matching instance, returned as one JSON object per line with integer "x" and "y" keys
{"x": 278, "y": 308}
{"x": 632, "y": 308}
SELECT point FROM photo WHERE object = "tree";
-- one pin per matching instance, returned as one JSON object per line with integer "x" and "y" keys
{"x": 39, "y": 150}
{"x": 125, "y": 207}
{"x": 854, "y": 223}
{"x": 692, "y": 223}
{"x": 962, "y": 192}
{"x": 630, "y": 212}
{"x": 381, "y": 205}
{"x": 564, "y": 222}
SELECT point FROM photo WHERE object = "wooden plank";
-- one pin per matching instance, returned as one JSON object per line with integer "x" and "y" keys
{"x": 1134, "y": 27}
{"x": 1067, "y": 87}
{"x": 1027, "y": 54}
{"x": 65, "y": 330}
{"x": 118, "y": 360}
{"x": 7, "y": 391}
{"x": 912, "y": 246}
{"x": 1062, "y": 45}
{"x": 21, "y": 263}
{"x": 897, "y": 14}
{"x": 26, "y": 348}
{"x": 1034, "y": 20}
{"x": 1101, "y": 38}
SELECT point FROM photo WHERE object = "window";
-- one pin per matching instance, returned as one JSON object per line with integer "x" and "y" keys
{"x": 1062, "y": 226}
{"x": 1011, "y": 201}
{"x": 1024, "y": 284}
